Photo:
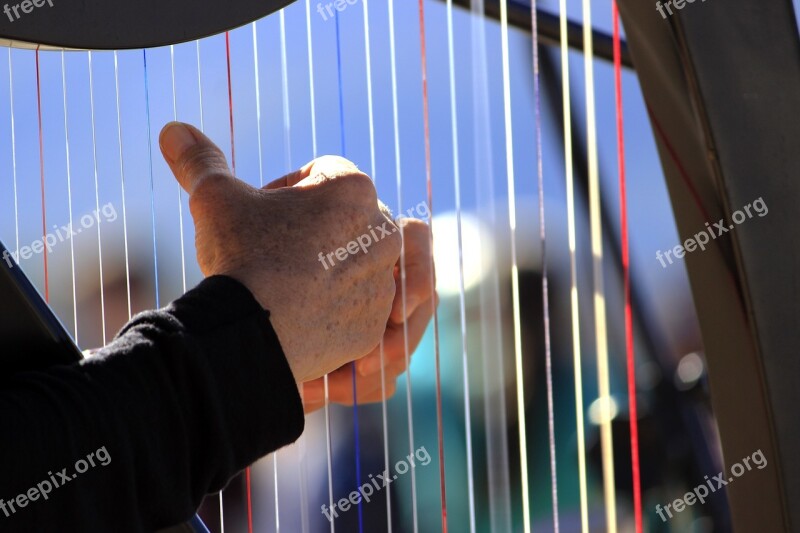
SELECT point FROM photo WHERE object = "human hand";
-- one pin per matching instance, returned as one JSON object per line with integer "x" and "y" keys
{"x": 269, "y": 239}
{"x": 419, "y": 306}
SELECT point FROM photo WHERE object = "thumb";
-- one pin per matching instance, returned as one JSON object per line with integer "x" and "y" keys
{"x": 191, "y": 156}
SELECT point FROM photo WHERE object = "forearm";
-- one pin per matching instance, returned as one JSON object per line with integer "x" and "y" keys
{"x": 182, "y": 400}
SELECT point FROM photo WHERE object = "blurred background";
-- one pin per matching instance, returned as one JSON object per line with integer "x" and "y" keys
{"x": 99, "y": 139}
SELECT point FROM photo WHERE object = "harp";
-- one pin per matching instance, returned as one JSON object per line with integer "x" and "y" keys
{"x": 77, "y": 135}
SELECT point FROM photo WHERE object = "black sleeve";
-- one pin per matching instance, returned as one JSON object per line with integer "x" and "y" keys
{"x": 133, "y": 438}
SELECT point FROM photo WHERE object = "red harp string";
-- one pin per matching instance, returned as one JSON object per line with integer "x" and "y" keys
{"x": 631, "y": 362}
{"x": 429, "y": 184}
{"x": 247, "y": 474}
{"x": 41, "y": 173}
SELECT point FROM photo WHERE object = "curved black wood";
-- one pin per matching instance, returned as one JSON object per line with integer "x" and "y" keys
{"x": 123, "y": 24}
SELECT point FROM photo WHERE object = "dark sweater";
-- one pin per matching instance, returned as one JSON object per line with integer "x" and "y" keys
{"x": 182, "y": 400}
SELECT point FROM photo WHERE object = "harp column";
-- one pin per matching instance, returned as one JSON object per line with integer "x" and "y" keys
{"x": 723, "y": 86}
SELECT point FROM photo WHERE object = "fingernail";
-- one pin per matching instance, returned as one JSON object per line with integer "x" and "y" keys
{"x": 175, "y": 139}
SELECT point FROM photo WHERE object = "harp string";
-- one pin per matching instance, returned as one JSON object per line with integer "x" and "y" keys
{"x": 548, "y": 353}
{"x": 69, "y": 196}
{"x": 287, "y": 121}
{"x": 203, "y": 128}
{"x": 629, "y": 347}
{"x": 326, "y": 390}
{"x": 328, "y": 444}
{"x": 312, "y": 106}
{"x": 374, "y": 174}
{"x": 287, "y": 165}
{"x": 575, "y": 309}
{"x": 97, "y": 198}
{"x": 150, "y": 161}
{"x": 41, "y": 172}
{"x": 399, "y": 175}
{"x": 287, "y": 127}
{"x": 461, "y": 291}
{"x": 429, "y": 183}
{"x": 491, "y": 322}
{"x": 512, "y": 220}
{"x": 177, "y": 185}
{"x": 248, "y": 475}
{"x": 200, "y": 86}
{"x": 596, "y": 230}
{"x": 343, "y": 143}
{"x": 14, "y": 152}
{"x": 257, "y": 75}
{"x": 121, "y": 174}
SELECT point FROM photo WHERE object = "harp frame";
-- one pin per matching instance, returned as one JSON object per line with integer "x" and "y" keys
{"x": 704, "y": 107}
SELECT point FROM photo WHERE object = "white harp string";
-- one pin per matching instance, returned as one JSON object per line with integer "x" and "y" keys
{"x": 97, "y": 198}
{"x": 494, "y": 381}
{"x": 69, "y": 195}
{"x": 512, "y": 220}
{"x": 575, "y": 309}
{"x": 396, "y": 125}
{"x": 200, "y": 87}
{"x": 548, "y": 353}
{"x": 287, "y": 132}
{"x": 326, "y": 389}
{"x": 152, "y": 191}
{"x": 606, "y": 440}
{"x": 461, "y": 291}
{"x": 374, "y": 174}
{"x": 14, "y": 153}
{"x": 180, "y": 190}
{"x": 203, "y": 128}
{"x": 257, "y": 76}
{"x": 122, "y": 180}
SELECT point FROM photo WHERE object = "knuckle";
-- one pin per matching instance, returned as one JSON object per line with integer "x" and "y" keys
{"x": 390, "y": 289}
{"x": 352, "y": 185}
{"x": 328, "y": 163}
{"x": 396, "y": 245}
{"x": 389, "y": 240}
{"x": 359, "y": 186}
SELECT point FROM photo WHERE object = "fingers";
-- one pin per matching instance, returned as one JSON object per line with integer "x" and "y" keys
{"x": 331, "y": 166}
{"x": 313, "y": 393}
{"x": 394, "y": 342}
{"x": 418, "y": 265}
{"x": 316, "y": 171}
{"x": 340, "y": 388}
{"x": 378, "y": 395}
{"x": 191, "y": 156}
{"x": 290, "y": 180}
